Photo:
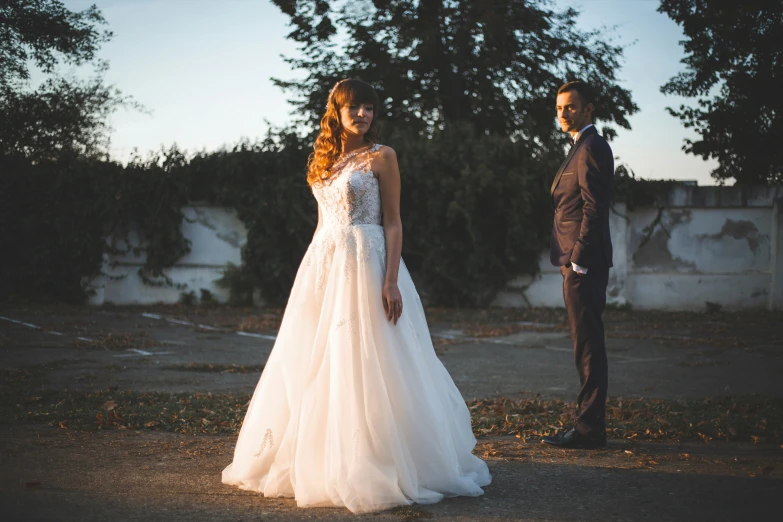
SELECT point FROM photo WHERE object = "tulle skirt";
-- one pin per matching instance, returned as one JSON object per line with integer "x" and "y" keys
{"x": 352, "y": 410}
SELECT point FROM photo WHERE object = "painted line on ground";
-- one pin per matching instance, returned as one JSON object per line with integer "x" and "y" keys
{"x": 619, "y": 359}
{"x": 21, "y": 322}
{"x": 493, "y": 340}
{"x": 136, "y": 352}
{"x": 207, "y": 327}
{"x": 36, "y": 327}
{"x": 177, "y": 321}
{"x": 541, "y": 325}
{"x": 625, "y": 359}
{"x": 257, "y": 336}
{"x": 455, "y": 337}
{"x": 141, "y": 353}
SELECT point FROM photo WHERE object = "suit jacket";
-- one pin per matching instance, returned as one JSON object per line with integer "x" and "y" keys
{"x": 581, "y": 192}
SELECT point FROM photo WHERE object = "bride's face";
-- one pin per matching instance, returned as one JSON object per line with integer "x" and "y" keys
{"x": 356, "y": 118}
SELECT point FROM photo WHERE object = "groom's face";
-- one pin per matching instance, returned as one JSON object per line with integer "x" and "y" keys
{"x": 572, "y": 114}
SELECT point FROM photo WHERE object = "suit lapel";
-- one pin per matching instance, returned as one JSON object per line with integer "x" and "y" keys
{"x": 571, "y": 153}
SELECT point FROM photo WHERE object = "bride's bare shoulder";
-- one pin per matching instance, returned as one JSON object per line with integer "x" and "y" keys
{"x": 384, "y": 161}
{"x": 386, "y": 154}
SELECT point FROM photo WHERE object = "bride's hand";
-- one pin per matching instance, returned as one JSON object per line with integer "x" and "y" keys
{"x": 392, "y": 301}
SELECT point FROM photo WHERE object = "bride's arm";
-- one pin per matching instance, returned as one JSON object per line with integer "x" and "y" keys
{"x": 388, "y": 171}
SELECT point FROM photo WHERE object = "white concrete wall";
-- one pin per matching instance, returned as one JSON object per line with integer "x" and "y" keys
{"x": 217, "y": 237}
{"x": 721, "y": 245}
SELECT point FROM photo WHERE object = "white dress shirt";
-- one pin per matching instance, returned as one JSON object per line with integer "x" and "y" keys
{"x": 579, "y": 134}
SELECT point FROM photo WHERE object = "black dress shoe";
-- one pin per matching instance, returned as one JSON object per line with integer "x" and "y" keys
{"x": 575, "y": 440}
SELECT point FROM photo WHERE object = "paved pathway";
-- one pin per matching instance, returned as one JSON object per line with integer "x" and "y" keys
{"x": 50, "y": 474}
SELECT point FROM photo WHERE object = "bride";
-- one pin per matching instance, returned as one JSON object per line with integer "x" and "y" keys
{"x": 354, "y": 408}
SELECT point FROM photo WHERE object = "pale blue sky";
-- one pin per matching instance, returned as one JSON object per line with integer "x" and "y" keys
{"x": 203, "y": 67}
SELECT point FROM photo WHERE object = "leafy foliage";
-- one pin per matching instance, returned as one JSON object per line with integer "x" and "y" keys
{"x": 265, "y": 184}
{"x": 637, "y": 192}
{"x": 44, "y": 33}
{"x": 53, "y": 224}
{"x": 57, "y": 216}
{"x": 482, "y": 200}
{"x": 62, "y": 117}
{"x": 496, "y": 64}
{"x": 75, "y": 211}
{"x": 467, "y": 90}
{"x": 476, "y": 212}
{"x": 734, "y": 67}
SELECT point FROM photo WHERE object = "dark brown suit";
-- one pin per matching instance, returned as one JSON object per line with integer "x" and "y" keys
{"x": 581, "y": 192}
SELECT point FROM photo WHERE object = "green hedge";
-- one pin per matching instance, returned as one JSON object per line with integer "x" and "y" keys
{"x": 266, "y": 185}
{"x": 57, "y": 218}
{"x": 476, "y": 213}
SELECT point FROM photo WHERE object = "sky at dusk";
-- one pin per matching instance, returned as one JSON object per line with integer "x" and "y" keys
{"x": 203, "y": 68}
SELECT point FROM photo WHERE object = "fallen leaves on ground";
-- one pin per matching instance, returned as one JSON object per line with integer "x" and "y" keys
{"x": 215, "y": 368}
{"x": 409, "y": 513}
{"x": 184, "y": 413}
{"x": 727, "y": 418}
{"x": 120, "y": 341}
{"x": 503, "y": 329}
{"x": 496, "y": 316}
{"x": 264, "y": 322}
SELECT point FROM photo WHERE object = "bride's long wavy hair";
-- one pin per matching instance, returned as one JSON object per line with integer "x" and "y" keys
{"x": 328, "y": 145}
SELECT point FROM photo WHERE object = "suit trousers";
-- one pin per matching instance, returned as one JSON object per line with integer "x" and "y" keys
{"x": 585, "y": 299}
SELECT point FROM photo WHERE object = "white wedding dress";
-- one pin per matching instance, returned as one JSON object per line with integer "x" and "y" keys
{"x": 352, "y": 410}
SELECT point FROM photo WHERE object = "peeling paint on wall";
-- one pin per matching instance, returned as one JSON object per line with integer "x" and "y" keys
{"x": 205, "y": 218}
{"x": 655, "y": 253}
{"x": 232, "y": 238}
{"x": 740, "y": 229}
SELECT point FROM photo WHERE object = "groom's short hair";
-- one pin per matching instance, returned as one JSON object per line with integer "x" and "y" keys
{"x": 582, "y": 88}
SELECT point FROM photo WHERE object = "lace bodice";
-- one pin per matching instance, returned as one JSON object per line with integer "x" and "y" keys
{"x": 351, "y": 196}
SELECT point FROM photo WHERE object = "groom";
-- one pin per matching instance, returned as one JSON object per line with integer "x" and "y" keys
{"x": 581, "y": 246}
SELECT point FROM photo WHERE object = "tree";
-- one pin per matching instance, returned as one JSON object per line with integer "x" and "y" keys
{"x": 734, "y": 67}
{"x": 62, "y": 116}
{"x": 478, "y": 80}
{"x": 494, "y": 63}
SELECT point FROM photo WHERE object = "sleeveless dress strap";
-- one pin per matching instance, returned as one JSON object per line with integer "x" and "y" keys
{"x": 367, "y": 160}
